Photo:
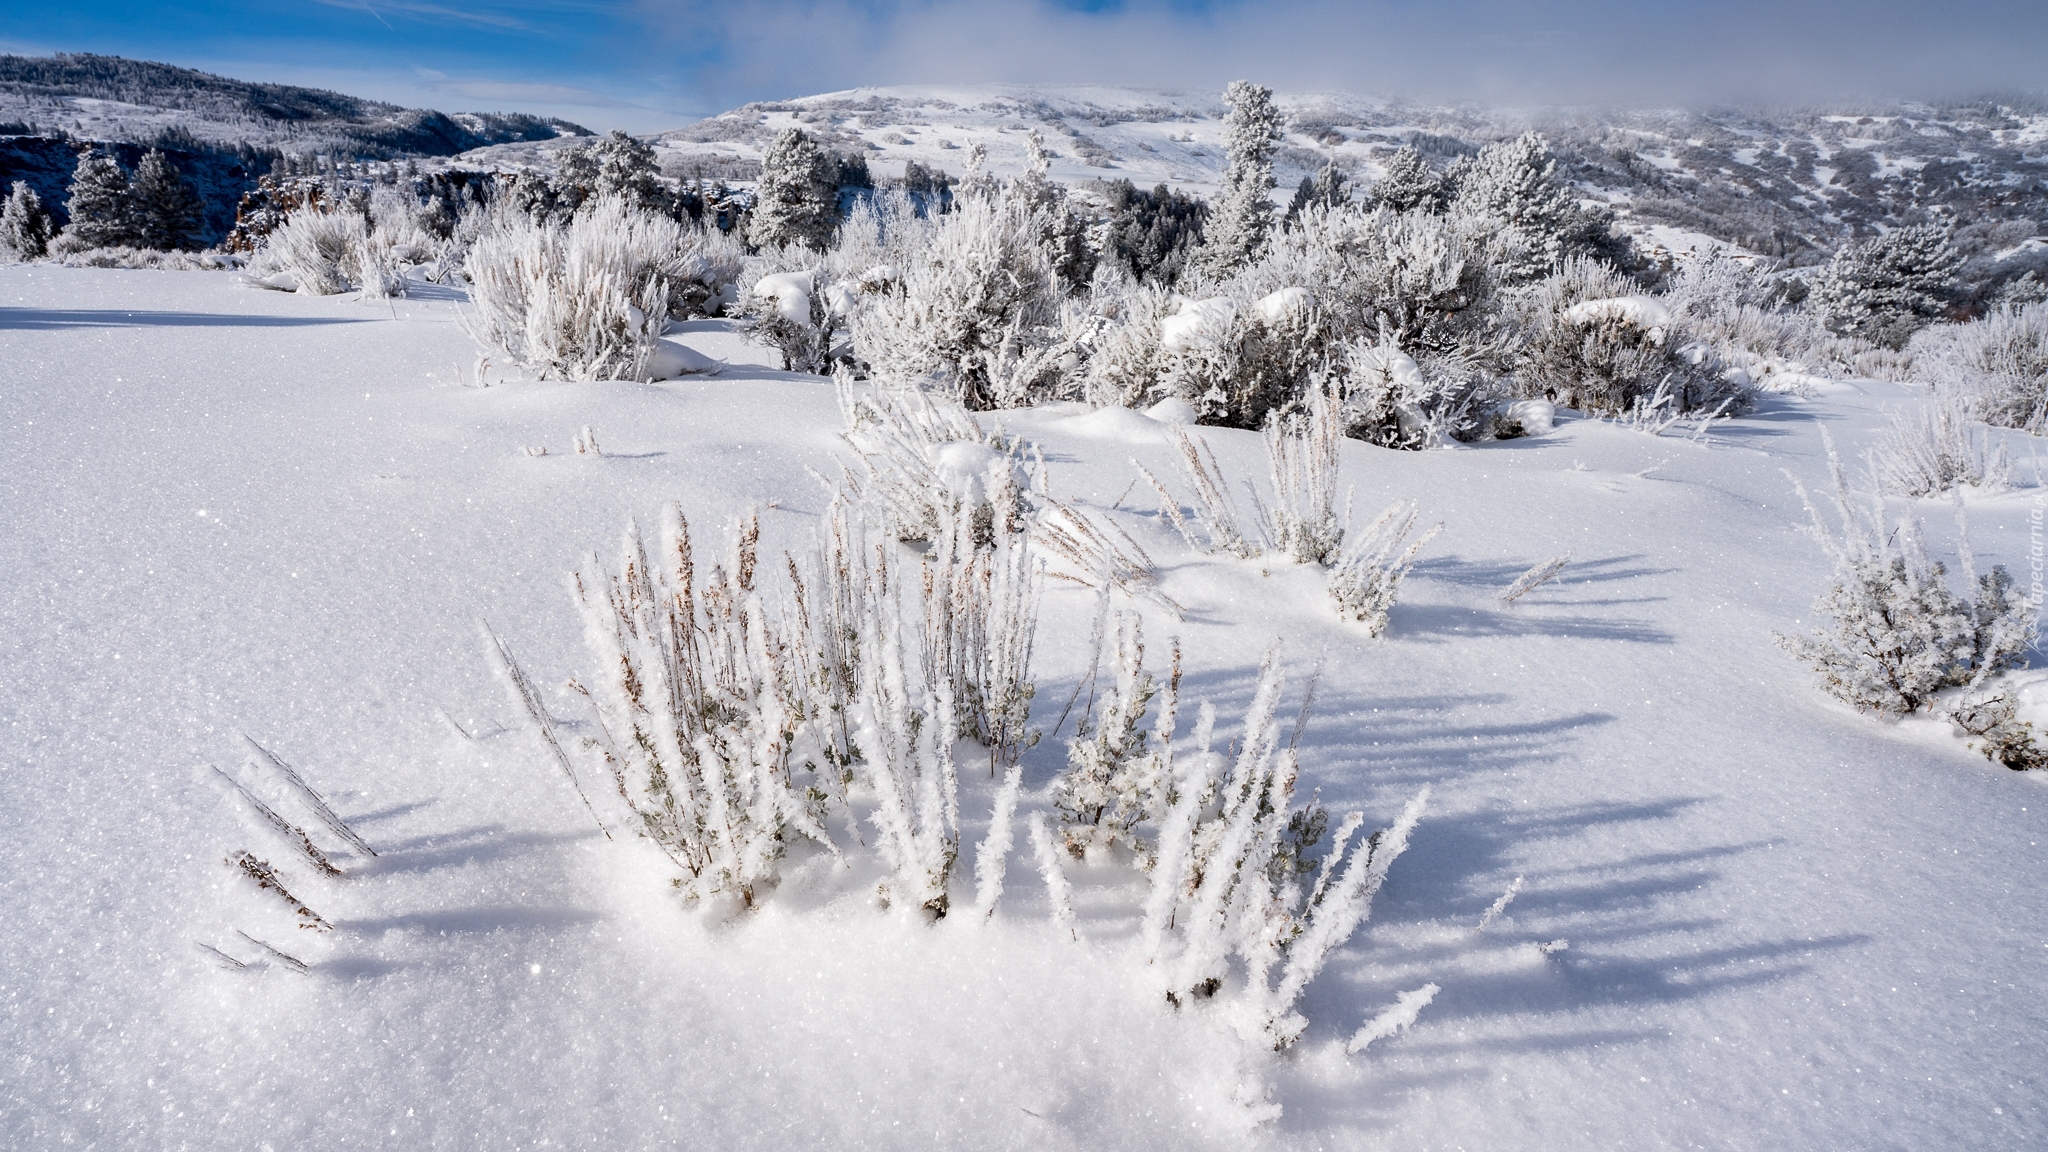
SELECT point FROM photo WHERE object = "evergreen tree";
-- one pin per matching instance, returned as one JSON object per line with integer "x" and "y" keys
{"x": 1512, "y": 186}
{"x": 25, "y": 228}
{"x": 1328, "y": 188}
{"x": 166, "y": 213}
{"x": 99, "y": 202}
{"x": 1237, "y": 232}
{"x": 1887, "y": 288}
{"x": 797, "y": 202}
{"x": 1409, "y": 185}
{"x": 615, "y": 164}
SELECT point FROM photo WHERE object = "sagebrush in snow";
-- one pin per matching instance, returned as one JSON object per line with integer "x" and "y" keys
{"x": 1598, "y": 348}
{"x": 1998, "y": 732}
{"x": 319, "y": 248}
{"x": 1366, "y": 576}
{"x": 1995, "y": 368}
{"x": 1896, "y": 634}
{"x": 699, "y": 708}
{"x": 1934, "y": 450}
{"x": 1113, "y": 780}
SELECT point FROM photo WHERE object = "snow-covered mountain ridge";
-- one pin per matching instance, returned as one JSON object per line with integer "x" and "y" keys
{"x": 1788, "y": 183}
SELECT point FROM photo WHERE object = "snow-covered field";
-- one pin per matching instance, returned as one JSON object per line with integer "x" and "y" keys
{"x": 1749, "y": 919}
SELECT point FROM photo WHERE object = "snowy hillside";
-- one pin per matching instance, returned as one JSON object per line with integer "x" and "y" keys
{"x": 1744, "y": 915}
{"x": 1785, "y": 184}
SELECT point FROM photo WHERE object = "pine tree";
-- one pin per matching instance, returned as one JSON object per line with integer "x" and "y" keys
{"x": 1409, "y": 184}
{"x": 1329, "y": 188}
{"x": 99, "y": 202}
{"x": 1887, "y": 288}
{"x": 25, "y": 228}
{"x": 613, "y": 165}
{"x": 797, "y": 203}
{"x": 1512, "y": 186}
{"x": 1237, "y": 232}
{"x": 166, "y": 213}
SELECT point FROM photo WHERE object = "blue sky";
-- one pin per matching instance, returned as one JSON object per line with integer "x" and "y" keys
{"x": 651, "y": 64}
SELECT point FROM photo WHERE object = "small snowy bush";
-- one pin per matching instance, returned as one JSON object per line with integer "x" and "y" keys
{"x": 1896, "y": 634}
{"x": 1113, "y": 779}
{"x": 1366, "y": 577}
{"x": 319, "y": 248}
{"x": 1598, "y": 348}
{"x": 983, "y": 294}
{"x": 1996, "y": 367}
{"x": 1934, "y": 450}
{"x": 582, "y": 301}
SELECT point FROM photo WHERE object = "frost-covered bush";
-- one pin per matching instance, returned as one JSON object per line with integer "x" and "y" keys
{"x": 967, "y": 314}
{"x": 1896, "y": 634}
{"x": 1297, "y": 521}
{"x": 581, "y": 301}
{"x": 700, "y": 698}
{"x": 1113, "y": 780}
{"x": 320, "y": 249}
{"x": 1739, "y": 311}
{"x": 1996, "y": 368}
{"x": 1886, "y": 288}
{"x": 1366, "y": 576}
{"x": 793, "y": 309}
{"x": 1595, "y": 346}
{"x": 1388, "y": 398}
{"x": 1236, "y": 887}
{"x": 1933, "y": 450}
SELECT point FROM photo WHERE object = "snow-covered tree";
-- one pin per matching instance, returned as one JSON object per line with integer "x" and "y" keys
{"x": 1889, "y": 287}
{"x": 1410, "y": 184}
{"x": 1328, "y": 188}
{"x": 798, "y": 202}
{"x": 1512, "y": 186}
{"x": 99, "y": 203}
{"x": 613, "y": 165}
{"x": 1243, "y": 217}
{"x": 25, "y": 227}
{"x": 166, "y": 211}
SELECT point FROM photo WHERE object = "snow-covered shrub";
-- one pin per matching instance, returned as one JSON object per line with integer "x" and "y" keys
{"x": 1366, "y": 576}
{"x": 922, "y": 459}
{"x": 1301, "y": 457}
{"x": 1124, "y": 354}
{"x": 1997, "y": 367}
{"x": 1888, "y": 287}
{"x": 154, "y": 258}
{"x": 1299, "y": 522}
{"x": 1596, "y": 347}
{"x": 1999, "y": 733}
{"x": 1388, "y": 399}
{"x": 1113, "y": 780}
{"x": 1231, "y": 896}
{"x": 792, "y": 310}
{"x": 1933, "y": 450}
{"x": 698, "y": 704}
{"x": 320, "y": 249}
{"x": 1738, "y": 311}
{"x": 1897, "y": 634}
{"x": 25, "y": 226}
{"x": 983, "y": 294}
{"x": 582, "y": 301}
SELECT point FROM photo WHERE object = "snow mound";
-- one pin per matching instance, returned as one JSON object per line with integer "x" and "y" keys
{"x": 1401, "y": 370}
{"x": 971, "y": 471}
{"x": 1172, "y": 410}
{"x": 1535, "y": 416}
{"x": 791, "y": 292}
{"x": 671, "y": 359}
{"x": 1197, "y": 323}
{"x": 1645, "y": 312}
{"x": 1286, "y": 302}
